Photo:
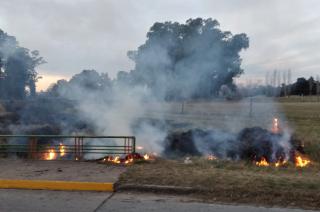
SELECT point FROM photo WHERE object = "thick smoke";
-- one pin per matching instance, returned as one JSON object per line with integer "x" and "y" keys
{"x": 190, "y": 62}
{"x": 111, "y": 108}
{"x": 249, "y": 144}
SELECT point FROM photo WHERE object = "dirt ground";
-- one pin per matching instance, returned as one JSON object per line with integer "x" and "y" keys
{"x": 59, "y": 170}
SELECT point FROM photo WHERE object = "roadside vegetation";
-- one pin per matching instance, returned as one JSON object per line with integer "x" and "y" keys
{"x": 240, "y": 181}
{"x": 304, "y": 118}
{"x": 234, "y": 182}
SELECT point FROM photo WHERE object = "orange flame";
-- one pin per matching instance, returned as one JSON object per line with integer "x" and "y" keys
{"x": 280, "y": 163}
{"x": 146, "y": 157}
{"x": 301, "y": 161}
{"x": 262, "y": 162}
{"x": 50, "y": 155}
{"x": 62, "y": 150}
{"x": 130, "y": 160}
{"x": 211, "y": 157}
{"x": 116, "y": 159}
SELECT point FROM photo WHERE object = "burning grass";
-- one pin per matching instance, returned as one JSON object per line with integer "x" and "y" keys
{"x": 227, "y": 181}
{"x": 304, "y": 118}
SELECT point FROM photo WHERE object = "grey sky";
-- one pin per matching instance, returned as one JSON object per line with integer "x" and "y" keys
{"x": 96, "y": 34}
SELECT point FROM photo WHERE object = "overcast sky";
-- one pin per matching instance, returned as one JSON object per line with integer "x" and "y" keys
{"x": 73, "y": 35}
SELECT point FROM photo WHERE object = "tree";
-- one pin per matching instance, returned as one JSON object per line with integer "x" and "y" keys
{"x": 17, "y": 66}
{"x": 82, "y": 85}
{"x": 191, "y": 60}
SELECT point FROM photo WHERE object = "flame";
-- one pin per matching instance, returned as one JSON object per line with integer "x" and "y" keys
{"x": 62, "y": 150}
{"x": 301, "y": 161}
{"x": 130, "y": 160}
{"x": 275, "y": 125}
{"x": 280, "y": 163}
{"x": 50, "y": 155}
{"x": 116, "y": 160}
{"x": 211, "y": 157}
{"x": 262, "y": 162}
{"x": 146, "y": 157}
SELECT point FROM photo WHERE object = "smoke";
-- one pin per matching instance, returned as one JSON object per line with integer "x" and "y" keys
{"x": 192, "y": 61}
{"x": 188, "y": 61}
{"x": 113, "y": 109}
{"x": 249, "y": 144}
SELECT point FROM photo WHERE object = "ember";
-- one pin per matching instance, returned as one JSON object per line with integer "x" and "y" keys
{"x": 128, "y": 159}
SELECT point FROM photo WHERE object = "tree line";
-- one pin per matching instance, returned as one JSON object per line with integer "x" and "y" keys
{"x": 18, "y": 75}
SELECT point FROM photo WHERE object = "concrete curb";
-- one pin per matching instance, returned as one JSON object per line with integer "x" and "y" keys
{"x": 56, "y": 185}
{"x": 156, "y": 188}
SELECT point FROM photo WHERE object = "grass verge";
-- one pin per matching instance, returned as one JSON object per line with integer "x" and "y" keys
{"x": 235, "y": 182}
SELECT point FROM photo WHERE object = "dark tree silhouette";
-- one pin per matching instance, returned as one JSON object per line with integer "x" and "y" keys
{"x": 17, "y": 65}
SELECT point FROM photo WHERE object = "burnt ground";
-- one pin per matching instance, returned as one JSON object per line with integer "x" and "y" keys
{"x": 59, "y": 170}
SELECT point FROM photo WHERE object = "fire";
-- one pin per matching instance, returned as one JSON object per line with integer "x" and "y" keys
{"x": 262, "y": 162}
{"x": 146, "y": 157}
{"x": 130, "y": 160}
{"x": 212, "y": 157}
{"x": 50, "y": 155}
{"x": 116, "y": 160}
{"x": 275, "y": 125}
{"x": 280, "y": 163}
{"x": 301, "y": 161}
{"x": 127, "y": 159}
{"x": 62, "y": 150}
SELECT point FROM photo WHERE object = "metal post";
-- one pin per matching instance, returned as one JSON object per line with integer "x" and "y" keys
{"x": 133, "y": 145}
{"x": 32, "y": 154}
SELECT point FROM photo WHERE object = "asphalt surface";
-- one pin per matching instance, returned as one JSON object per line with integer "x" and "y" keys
{"x": 64, "y": 170}
{"x": 49, "y": 201}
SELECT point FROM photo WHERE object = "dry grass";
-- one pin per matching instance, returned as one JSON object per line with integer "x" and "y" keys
{"x": 304, "y": 118}
{"x": 238, "y": 181}
{"x": 233, "y": 181}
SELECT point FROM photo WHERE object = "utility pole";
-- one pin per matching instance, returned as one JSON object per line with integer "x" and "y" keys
{"x": 289, "y": 82}
{"x": 284, "y": 79}
{"x": 182, "y": 107}
{"x": 274, "y": 82}
{"x": 318, "y": 88}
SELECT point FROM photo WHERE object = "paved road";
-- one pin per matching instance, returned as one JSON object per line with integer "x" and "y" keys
{"x": 49, "y": 201}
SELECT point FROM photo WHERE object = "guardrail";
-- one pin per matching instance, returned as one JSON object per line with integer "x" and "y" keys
{"x": 55, "y": 147}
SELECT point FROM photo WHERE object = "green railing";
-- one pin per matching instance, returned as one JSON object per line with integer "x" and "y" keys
{"x": 56, "y": 147}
